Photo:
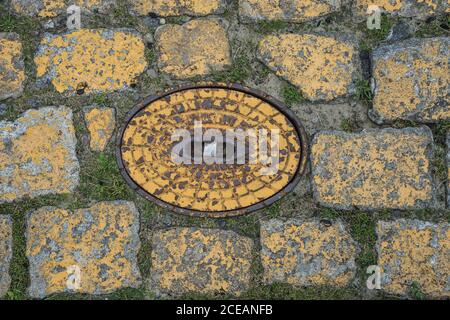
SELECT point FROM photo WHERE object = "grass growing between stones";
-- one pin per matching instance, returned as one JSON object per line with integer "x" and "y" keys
{"x": 374, "y": 37}
{"x": 434, "y": 27}
{"x": 363, "y": 91}
{"x": 349, "y": 125}
{"x": 291, "y": 95}
{"x": 361, "y": 226}
{"x": 237, "y": 73}
{"x": 265, "y": 27}
{"x": 101, "y": 179}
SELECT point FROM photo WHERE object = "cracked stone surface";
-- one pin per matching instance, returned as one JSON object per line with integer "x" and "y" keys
{"x": 186, "y": 260}
{"x": 167, "y": 8}
{"x": 292, "y": 11}
{"x": 53, "y": 8}
{"x": 305, "y": 253}
{"x": 91, "y": 60}
{"x": 418, "y": 9}
{"x": 101, "y": 122}
{"x": 374, "y": 169}
{"x": 322, "y": 67}
{"x": 412, "y": 81}
{"x": 414, "y": 252}
{"x": 195, "y": 48}
{"x": 5, "y": 252}
{"x": 91, "y": 250}
{"x": 12, "y": 74}
{"x": 37, "y": 154}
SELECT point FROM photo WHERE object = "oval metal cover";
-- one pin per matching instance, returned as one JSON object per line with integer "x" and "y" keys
{"x": 145, "y": 147}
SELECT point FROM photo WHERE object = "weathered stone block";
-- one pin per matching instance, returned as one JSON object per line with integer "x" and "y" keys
{"x": 306, "y": 253}
{"x": 168, "y": 8}
{"x": 38, "y": 154}
{"x": 292, "y": 11}
{"x": 91, "y": 250}
{"x": 186, "y": 260}
{"x": 53, "y": 8}
{"x": 91, "y": 61}
{"x": 417, "y": 9}
{"x": 414, "y": 252}
{"x": 374, "y": 169}
{"x": 12, "y": 74}
{"x": 195, "y": 48}
{"x": 411, "y": 81}
{"x": 101, "y": 123}
{"x": 321, "y": 67}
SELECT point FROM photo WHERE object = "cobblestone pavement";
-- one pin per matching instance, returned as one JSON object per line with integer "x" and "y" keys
{"x": 375, "y": 104}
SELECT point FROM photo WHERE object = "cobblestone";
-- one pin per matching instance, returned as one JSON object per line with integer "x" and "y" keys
{"x": 12, "y": 73}
{"x": 374, "y": 169}
{"x": 413, "y": 252}
{"x": 412, "y": 81}
{"x": 306, "y": 253}
{"x": 322, "y": 67}
{"x": 37, "y": 154}
{"x": 91, "y": 250}
{"x": 186, "y": 260}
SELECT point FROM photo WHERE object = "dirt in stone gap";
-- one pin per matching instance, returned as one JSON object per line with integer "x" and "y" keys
{"x": 100, "y": 179}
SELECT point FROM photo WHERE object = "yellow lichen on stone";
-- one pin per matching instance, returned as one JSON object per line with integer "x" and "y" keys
{"x": 412, "y": 80}
{"x": 195, "y": 48}
{"x": 100, "y": 123}
{"x": 88, "y": 61}
{"x": 176, "y": 7}
{"x": 5, "y": 253}
{"x": 323, "y": 68}
{"x": 307, "y": 253}
{"x": 12, "y": 74}
{"x": 414, "y": 252}
{"x": 374, "y": 169}
{"x": 293, "y": 11}
{"x": 190, "y": 260}
{"x": 90, "y": 250}
{"x": 418, "y": 9}
{"x": 37, "y": 154}
{"x": 53, "y": 8}
{"x": 147, "y": 146}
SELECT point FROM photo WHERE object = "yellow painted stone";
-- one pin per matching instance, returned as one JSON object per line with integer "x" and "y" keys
{"x": 192, "y": 260}
{"x": 193, "y": 49}
{"x": 374, "y": 169}
{"x": 53, "y": 8}
{"x": 91, "y": 61}
{"x": 5, "y": 253}
{"x": 322, "y": 67}
{"x": 37, "y": 154}
{"x": 293, "y": 11}
{"x": 305, "y": 253}
{"x": 418, "y": 9}
{"x": 168, "y": 8}
{"x": 12, "y": 74}
{"x": 412, "y": 80}
{"x": 147, "y": 151}
{"x": 101, "y": 123}
{"x": 91, "y": 250}
{"x": 413, "y": 252}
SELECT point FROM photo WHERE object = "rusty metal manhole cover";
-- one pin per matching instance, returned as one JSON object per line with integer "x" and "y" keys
{"x": 212, "y": 150}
